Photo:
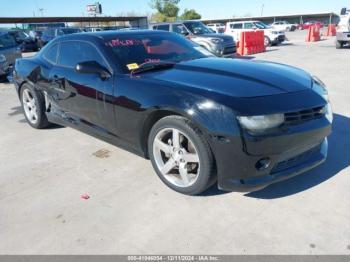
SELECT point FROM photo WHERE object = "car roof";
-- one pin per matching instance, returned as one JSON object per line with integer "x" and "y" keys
{"x": 110, "y": 34}
{"x": 176, "y": 22}
{"x": 250, "y": 21}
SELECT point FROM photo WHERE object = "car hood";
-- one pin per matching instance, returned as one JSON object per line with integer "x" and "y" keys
{"x": 235, "y": 77}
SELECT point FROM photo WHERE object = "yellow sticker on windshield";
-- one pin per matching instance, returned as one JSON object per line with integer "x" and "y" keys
{"x": 133, "y": 66}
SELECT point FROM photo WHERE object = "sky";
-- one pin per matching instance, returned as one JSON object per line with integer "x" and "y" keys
{"x": 209, "y": 9}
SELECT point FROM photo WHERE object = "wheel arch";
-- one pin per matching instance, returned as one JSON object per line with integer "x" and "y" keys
{"x": 155, "y": 116}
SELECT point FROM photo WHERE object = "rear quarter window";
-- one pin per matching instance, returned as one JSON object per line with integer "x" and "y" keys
{"x": 51, "y": 54}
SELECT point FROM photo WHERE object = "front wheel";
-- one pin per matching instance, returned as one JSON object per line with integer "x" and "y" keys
{"x": 181, "y": 156}
{"x": 267, "y": 41}
{"x": 339, "y": 44}
{"x": 33, "y": 105}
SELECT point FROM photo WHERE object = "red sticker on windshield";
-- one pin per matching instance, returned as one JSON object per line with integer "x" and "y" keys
{"x": 124, "y": 42}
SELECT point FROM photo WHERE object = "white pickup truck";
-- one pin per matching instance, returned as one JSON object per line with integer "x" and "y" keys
{"x": 343, "y": 29}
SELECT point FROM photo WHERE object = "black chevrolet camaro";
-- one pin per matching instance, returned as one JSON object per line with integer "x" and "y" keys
{"x": 200, "y": 119}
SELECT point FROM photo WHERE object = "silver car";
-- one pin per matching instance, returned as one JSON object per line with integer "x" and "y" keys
{"x": 218, "y": 44}
{"x": 9, "y": 52}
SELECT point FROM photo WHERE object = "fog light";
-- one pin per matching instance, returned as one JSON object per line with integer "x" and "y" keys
{"x": 263, "y": 164}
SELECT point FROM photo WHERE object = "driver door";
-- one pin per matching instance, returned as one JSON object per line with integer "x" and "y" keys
{"x": 81, "y": 97}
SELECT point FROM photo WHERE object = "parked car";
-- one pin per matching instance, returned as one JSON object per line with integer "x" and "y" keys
{"x": 308, "y": 24}
{"x": 218, "y": 44}
{"x": 283, "y": 26}
{"x": 52, "y": 33}
{"x": 92, "y": 29}
{"x": 272, "y": 36}
{"x": 343, "y": 29}
{"x": 24, "y": 40}
{"x": 199, "y": 118}
{"x": 217, "y": 28}
{"x": 9, "y": 52}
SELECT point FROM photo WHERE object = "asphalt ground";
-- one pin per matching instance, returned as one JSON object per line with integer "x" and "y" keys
{"x": 44, "y": 173}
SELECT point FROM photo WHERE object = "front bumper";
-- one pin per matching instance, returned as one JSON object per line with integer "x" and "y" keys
{"x": 290, "y": 151}
{"x": 343, "y": 36}
{"x": 4, "y": 68}
{"x": 225, "y": 51}
{"x": 283, "y": 170}
{"x": 279, "y": 39}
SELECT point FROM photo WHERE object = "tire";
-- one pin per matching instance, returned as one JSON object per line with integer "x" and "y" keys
{"x": 339, "y": 45}
{"x": 267, "y": 41}
{"x": 33, "y": 101}
{"x": 199, "y": 174}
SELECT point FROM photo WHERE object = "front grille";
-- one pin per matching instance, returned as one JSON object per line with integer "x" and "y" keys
{"x": 281, "y": 38}
{"x": 297, "y": 160}
{"x": 229, "y": 50}
{"x": 295, "y": 118}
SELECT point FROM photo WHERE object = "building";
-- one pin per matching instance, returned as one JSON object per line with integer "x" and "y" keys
{"x": 91, "y": 21}
{"x": 325, "y": 18}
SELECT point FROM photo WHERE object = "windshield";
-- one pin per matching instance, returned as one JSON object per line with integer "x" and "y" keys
{"x": 197, "y": 28}
{"x": 21, "y": 35}
{"x": 261, "y": 25}
{"x": 132, "y": 51}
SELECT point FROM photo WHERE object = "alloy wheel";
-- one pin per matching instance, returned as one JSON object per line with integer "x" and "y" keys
{"x": 29, "y": 106}
{"x": 176, "y": 157}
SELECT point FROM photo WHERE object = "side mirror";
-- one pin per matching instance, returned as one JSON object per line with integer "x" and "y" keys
{"x": 92, "y": 67}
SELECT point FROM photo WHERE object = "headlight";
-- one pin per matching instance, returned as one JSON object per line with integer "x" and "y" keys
{"x": 320, "y": 88}
{"x": 2, "y": 59}
{"x": 261, "y": 123}
{"x": 216, "y": 40}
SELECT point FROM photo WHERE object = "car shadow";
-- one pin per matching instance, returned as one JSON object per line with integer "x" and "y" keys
{"x": 17, "y": 110}
{"x": 338, "y": 160}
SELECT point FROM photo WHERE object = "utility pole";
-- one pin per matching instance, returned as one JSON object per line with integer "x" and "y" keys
{"x": 41, "y": 10}
{"x": 262, "y": 9}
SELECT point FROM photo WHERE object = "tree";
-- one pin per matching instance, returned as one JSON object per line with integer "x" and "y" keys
{"x": 190, "y": 14}
{"x": 167, "y": 10}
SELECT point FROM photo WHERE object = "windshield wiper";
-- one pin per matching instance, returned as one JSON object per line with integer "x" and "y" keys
{"x": 149, "y": 66}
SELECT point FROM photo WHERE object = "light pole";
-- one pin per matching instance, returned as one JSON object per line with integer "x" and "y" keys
{"x": 41, "y": 10}
{"x": 262, "y": 9}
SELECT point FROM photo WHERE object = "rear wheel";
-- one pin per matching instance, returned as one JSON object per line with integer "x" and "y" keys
{"x": 33, "y": 105}
{"x": 181, "y": 156}
{"x": 339, "y": 44}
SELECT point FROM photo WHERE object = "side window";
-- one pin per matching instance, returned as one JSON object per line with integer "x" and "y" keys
{"x": 249, "y": 26}
{"x": 74, "y": 52}
{"x": 51, "y": 54}
{"x": 237, "y": 26}
{"x": 163, "y": 27}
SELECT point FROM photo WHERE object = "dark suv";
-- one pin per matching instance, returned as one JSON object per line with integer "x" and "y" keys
{"x": 218, "y": 44}
{"x": 9, "y": 52}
